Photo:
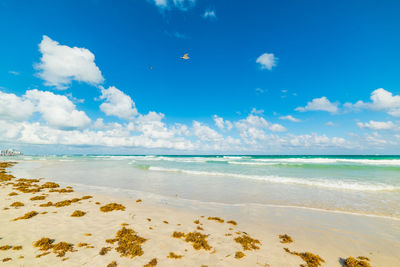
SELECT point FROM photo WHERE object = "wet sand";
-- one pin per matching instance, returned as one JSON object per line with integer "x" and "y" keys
{"x": 332, "y": 236}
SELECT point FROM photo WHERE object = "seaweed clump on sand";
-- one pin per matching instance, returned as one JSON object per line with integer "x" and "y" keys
{"x": 49, "y": 185}
{"x": 218, "y": 219}
{"x": 61, "y": 248}
{"x": 6, "y": 247}
{"x": 27, "y": 216}
{"x": 17, "y": 204}
{"x": 6, "y": 259}
{"x": 112, "y": 264}
{"x": 111, "y": 207}
{"x": 239, "y": 255}
{"x": 129, "y": 243}
{"x": 285, "y": 239}
{"x": 38, "y": 198}
{"x": 232, "y": 222}
{"x": 13, "y": 194}
{"x": 359, "y": 262}
{"x": 198, "y": 240}
{"x": 103, "y": 251}
{"x": 78, "y": 213}
{"x": 17, "y": 247}
{"x": 138, "y": 200}
{"x": 174, "y": 256}
{"x": 151, "y": 263}
{"x": 247, "y": 242}
{"x": 86, "y": 197}
{"x": 311, "y": 259}
{"x": 178, "y": 234}
{"x": 48, "y": 204}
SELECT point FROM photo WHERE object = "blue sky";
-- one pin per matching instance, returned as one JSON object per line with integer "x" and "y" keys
{"x": 89, "y": 88}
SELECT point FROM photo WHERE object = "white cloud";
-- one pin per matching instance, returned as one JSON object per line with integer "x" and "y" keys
{"x": 378, "y": 125}
{"x": 322, "y": 104}
{"x": 16, "y": 73}
{"x": 117, "y": 103}
{"x": 61, "y": 64}
{"x": 205, "y": 133}
{"x": 58, "y": 111}
{"x": 257, "y": 111}
{"x": 180, "y": 4}
{"x": 222, "y": 124}
{"x": 267, "y": 61}
{"x": 289, "y": 118}
{"x": 210, "y": 14}
{"x": 15, "y": 108}
{"x": 380, "y": 100}
{"x": 330, "y": 123}
{"x": 275, "y": 127}
{"x": 260, "y": 90}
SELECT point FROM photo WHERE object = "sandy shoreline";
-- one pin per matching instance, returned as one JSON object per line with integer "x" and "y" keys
{"x": 330, "y": 235}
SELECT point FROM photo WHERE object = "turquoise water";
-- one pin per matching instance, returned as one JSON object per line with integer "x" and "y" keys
{"x": 360, "y": 184}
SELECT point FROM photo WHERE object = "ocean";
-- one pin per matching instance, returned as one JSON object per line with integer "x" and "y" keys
{"x": 368, "y": 185}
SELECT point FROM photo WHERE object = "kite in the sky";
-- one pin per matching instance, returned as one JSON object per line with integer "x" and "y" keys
{"x": 185, "y": 56}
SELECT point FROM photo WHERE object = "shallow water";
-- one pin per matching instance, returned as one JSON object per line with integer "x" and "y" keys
{"x": 360, "y": 184}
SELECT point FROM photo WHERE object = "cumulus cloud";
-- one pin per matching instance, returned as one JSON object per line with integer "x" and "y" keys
{"x": 13, "y": 107}
{"x": 381, "y": 100}
{"x": 205, "y": 133}
{"x": 57, "y": 110}
{"x": 61, "y": 64}
{"x": 117, "y": 103}
{"x": 320, "y": 104}
{"x": 267, "y": 61}
{"x": 378, "y": 125}
{"x": 180, "y": 4}
{"x": 210, "y": 14}
{"x": 289, "y": 118}
{"x": 222, "y": 124}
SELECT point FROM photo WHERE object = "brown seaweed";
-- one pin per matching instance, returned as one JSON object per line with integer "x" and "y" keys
{"x": 78, "y": 213}
{"x": 247, "y": 242}
{"x": 285, "y": 239}
{"x": 27, "y": 216}
{"x": 17, "y": 204}
{"x": 359, "y": 262}
{"x": 112, "y": 264}
{"x": 218, "y": 219}
{"x": 239, "y": 255}
{"x": 232, "y": 222}
{"x": 151, "y": 263}
{"x": 311, "y": 259}
{"x": 103, "y": 251}
{"x": 111, "y": 207}
{"x": 172, "y": 255}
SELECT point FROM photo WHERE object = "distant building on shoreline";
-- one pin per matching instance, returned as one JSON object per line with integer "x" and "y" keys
{"x": 10, "y": 152}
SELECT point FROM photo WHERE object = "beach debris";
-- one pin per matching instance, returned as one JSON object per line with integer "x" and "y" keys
{"x": 218, "y": 219}
{"x": 61, "y": 190}
{"x": 62, "y": 203}
{"x": 360, "y": 261}
{"x": 178, "y": 234}
{"x": 60, "y": 248}
{"x": 232, "y": 222}
{"x": 239, "y": 255}
{"x": 247, "y": 242}
{"x": 112, "y": 240}
{"x": 311, "y": 259}
{"x": 129, "y": 243}
{"x": 17, "y": 248}
{"x": 6, "y": 247}
{"x": 196, "y": 222}
{"x": 197, "y": 239}
{"x": 49, "y": 185}
{"x": 285, "y": 239}
{"x": 86, "y": 197}
{"x": 87, "y": 234}
{"x": 172, "y": 255}
{"x": 27, "y": 216}
{"x": 111, "y": 207}
{"x": 151, "y": 263}
{"x": 13, "y": 194}
{"x": 124, "y": 224}
{"x": 165, "y": 222}
{"x": 103, "y": 251}
{"x": 200, "y": 228}
{"x": 78, "y": 213}
{"x": 148, "y": 219}
{"x": 48, "y": 204}
{"x": 97, "y": 203}
{"x": 138, "y": 200}
{"x": 112, "y": 264}
{"x": 6, "y": 259}
{"x": 38, "y": 198}
{"x": 17, "y": 204}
